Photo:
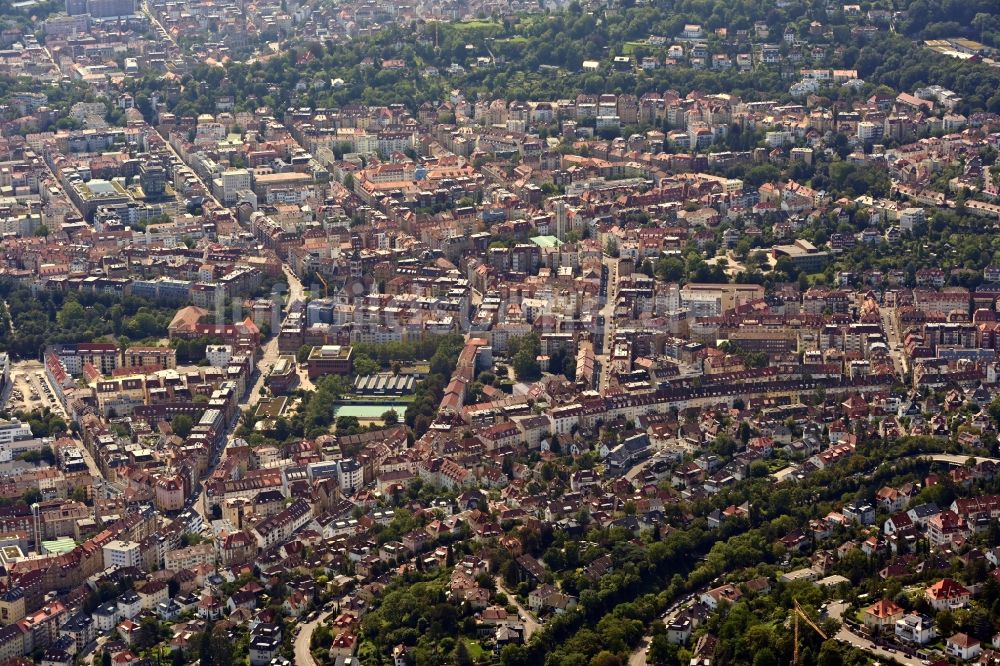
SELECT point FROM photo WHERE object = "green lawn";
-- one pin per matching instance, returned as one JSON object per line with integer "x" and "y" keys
{"x": 475, "y": 649}
{"x": 367, "y": 411}
{"x": 776, "y": 465}
{"x": 475, "y": 25}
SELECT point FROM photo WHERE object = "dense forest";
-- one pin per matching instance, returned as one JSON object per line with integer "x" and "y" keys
{"x": 31, "y": 320}
{"x": 27, "y": 17}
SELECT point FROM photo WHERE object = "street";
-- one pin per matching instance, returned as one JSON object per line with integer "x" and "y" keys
{"x": 94, "y": 650}
{"x": 156, "y": 21}
{"x": 638, "y": 656}
{"x": 296, "y": 292}
{"x": 607, "y": 313}
{"x": 269, "y": 357}
{"x": 302, "y": 640}
{"x": 204, "y": 185}
{"x": 893, "y": 340}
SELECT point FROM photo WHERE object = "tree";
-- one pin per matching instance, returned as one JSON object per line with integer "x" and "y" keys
{"x": 205, "y": 648}
{"x": 830, "y": 654}
{"x": 149, "y": 631}
{"x": 765, "y": 657}
{"x": 348, "y": 425}
{"x": 461, "y": 655}
{"x": 390, "y": 417}
{"x": 744, "y": 432}
{"x": 302, "y": 355}
{"x": 671, "y": 269}
{"x": 321, "y": 638}
{"x": 526, "y": 366}
{"x": 525, "y": 357}
{"x": 611, "y": 249}
{"x": 181, "y": 425}
{"x": 281, "y": 429}
{"x": 605, "y": 658}
{"x": 945, "y": 621}
{"x": 364, "y": 365}
{"x": 662, "y": 651}
{"x": 514, "y": 655}
{"x": 71, "y": 314}
{"x": 105, "y": 658}
{"x": 509, "y": 572}
{"x": 221, "y": 649}
{"x": 994, "y": 410}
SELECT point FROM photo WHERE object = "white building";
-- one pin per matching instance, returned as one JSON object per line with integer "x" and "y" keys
{"x": 692, "y": 31}
{"x": 778, "y": 139}
{"x": 281, "y": 526}
{"x": 608, "y": 122}
{"x": 218, "y": 356}
{"x": 10, "y": 432}
{"x": 106, "y": 616}
{"x": 869, "y": 131}
{"x": 234, "y": 180}
{"x": 13, "y": 430}
{"x": 916, "y": 628}
{"x": 129, "y": 604}
{"x": 908, "y": 217}
{"x": 350, "y": 475}
{"x": 122, "y": 554}
{"x": 190, "y": 557}
{"x": 963, "y": 646}
{"x": 804, "y": 87}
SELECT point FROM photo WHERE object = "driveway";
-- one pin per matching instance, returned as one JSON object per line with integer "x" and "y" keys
{"x": 951, "y": 458}
{"x": 638, "y": 656}
{"x": 531, "y": 625}
{"x": 847, "y": 635}
{"x": 959, "y": 459}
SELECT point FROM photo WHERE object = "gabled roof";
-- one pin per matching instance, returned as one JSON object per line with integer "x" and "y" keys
{"x": 946, "y": 588}
{"x": 883, "y": 609}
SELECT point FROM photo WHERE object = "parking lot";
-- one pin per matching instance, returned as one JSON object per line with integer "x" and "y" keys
{"x": 30, "y": 390}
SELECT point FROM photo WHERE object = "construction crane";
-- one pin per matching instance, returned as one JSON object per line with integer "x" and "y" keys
{"x": 326, "y": 288}
{"x": 797, "y": 612}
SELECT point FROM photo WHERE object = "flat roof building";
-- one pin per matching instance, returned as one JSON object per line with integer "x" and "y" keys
{"x": 330, "y": 360}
